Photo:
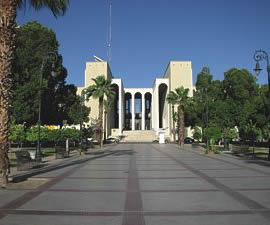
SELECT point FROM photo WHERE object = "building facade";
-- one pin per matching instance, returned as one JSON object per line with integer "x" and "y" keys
{"x": 139, "y": 109}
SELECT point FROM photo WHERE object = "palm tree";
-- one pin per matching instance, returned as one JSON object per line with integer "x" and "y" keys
{"x": 101, "y": 88}
{"x": 172, "y": 99}
{"x": 8, "y": 12}
{"x": 107, "y": 105}
{"x": 180, "y": 98}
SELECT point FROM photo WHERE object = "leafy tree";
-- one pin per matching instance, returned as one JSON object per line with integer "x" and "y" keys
{"x": 17, "y": 133}
{"x": 68, "y": 133}
{"x": 229, "y": 133}
{"x": 8, "y": 12}
{"x": 197, "y": 133}
{"x": 78, "y": 112}
{"x": 181, "y": 96}
{"x": 98, "y": 90}
{"x": 33, "y": 43}
{"x": 45, "y": 134}
{"x": 240, "y": 91}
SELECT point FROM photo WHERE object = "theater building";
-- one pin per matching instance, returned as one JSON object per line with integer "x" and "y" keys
{"x": 139, "y": 114}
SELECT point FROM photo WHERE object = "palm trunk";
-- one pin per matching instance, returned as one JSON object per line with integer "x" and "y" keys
{"x": 174, "y": 133}
{"x": 105, "y": 125}
{"x": 182, "y": 126}
{"x": 179, "y": 125}
{"x": 7, "y": 44}
{"x": 100, "y": 121}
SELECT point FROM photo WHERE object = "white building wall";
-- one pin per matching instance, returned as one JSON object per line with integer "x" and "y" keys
{"x": 178, "y": 73}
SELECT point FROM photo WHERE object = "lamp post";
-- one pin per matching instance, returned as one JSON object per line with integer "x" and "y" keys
{"x": 81, "y": 116}
{"x": 51, "y": 56}
{"x": 261, "y": 55}
{"x": 206, "y": 103}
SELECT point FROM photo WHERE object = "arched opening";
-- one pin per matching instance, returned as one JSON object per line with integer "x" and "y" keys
{"x": 162, "y": 93}
{"x": 148, "y": 111}
{"x": 114, "y": 108}
{"x": 128, "y": 116}
{"x": 138, "y": 111}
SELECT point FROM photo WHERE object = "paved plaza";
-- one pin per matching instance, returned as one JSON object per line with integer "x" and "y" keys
{"x": 152, "y": 184}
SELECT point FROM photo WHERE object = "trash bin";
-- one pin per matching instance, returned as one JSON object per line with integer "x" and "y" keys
{"x": 226, "y": 144}
{"x": 161, "y": 137}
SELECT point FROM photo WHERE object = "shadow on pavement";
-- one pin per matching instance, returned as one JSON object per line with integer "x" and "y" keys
{"x": 102, "y": 154}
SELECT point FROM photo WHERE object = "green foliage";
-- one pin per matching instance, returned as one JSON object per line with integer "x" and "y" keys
{"x": 68, "y": 133}
{"x": 197, "y": 133}
{"x": 251, "y": 132}
{"x": 48, "y": 135}
{"x": 234, "y": 102}
{"x": 204, "y": 79}
{"x": 229, "y": 133}
{"x": 101, "y": 88}
{"x": 214, "y": 133}
{"x": 57, "y": 7}
{"x": 45, "y": 134}
{"x": 17, "y": 133}
{"x": 33, "y": 43}
{"x": 78, "y": 112}
{"x": 180, "y": 98}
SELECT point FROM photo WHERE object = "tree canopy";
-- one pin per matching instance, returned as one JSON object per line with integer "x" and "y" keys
{"x": 33, "y": 43}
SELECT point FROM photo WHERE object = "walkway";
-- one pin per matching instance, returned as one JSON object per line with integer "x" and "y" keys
{"x": 145, "y": 184}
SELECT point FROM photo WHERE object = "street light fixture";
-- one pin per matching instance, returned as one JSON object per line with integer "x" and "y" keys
{"x": 50, "y": 57}
{"x": 261, "y": 55}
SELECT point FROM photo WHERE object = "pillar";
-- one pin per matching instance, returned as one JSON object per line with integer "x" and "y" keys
{"x": 143, "y": 112}
{"x": 120, "y": 112}
{"x": 133, "y": 111}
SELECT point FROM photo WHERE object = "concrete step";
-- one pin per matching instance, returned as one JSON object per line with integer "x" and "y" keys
{"x": 139, "y": 136}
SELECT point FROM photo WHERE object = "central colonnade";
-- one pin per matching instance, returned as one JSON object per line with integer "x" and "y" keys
{"x": 138, "y": 109}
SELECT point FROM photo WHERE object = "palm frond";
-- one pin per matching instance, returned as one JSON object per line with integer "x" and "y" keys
{"x": 57, "y": 7}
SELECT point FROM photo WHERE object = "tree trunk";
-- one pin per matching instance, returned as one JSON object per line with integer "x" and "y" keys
{"x": 100, "y": 106}
{"x": 174, "y": 133}
{"x": 179, "y": 125}
{"x": 182, "y": 126}
{"x": 105, "y": 125}
{"x": 7, "y": 44}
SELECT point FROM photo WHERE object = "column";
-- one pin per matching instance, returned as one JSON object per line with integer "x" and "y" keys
{"x": 143, "y": 112}
{"x": 157, "y": 108}
{"x": 133, "y": 111}
{"x": 120, "y": 113}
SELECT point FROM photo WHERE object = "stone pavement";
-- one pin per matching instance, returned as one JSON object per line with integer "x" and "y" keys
{"x": 136, "y": 184}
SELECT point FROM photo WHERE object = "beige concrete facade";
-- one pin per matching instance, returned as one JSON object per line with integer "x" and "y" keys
{"x": 140, "y": 108}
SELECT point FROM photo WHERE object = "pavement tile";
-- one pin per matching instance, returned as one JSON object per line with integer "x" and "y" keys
{"x": 232, "y": 173}
{"x": 78, "y": 201}
{"x": 106, "y": 167}
{"x": 206, "y": 220}
{"x": 186, "y": 201}
{"x": 246, "y": 183}
{"x": 262, "y": 197}
{"x": 55, "y": 172}
{"x": 159, "y": 167}
{"x": 60, "y": 220}
{"x": 101, "y": 174}
{"x": 175, "y": 184}
{"x": 7, "y": 196}
{"x": 168, "y": 193}
{"x": 166, "y": 174}
{"x": 91, "y": 184}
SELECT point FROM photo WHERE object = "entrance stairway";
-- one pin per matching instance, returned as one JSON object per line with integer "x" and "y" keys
{"x": 139, "y": 136}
